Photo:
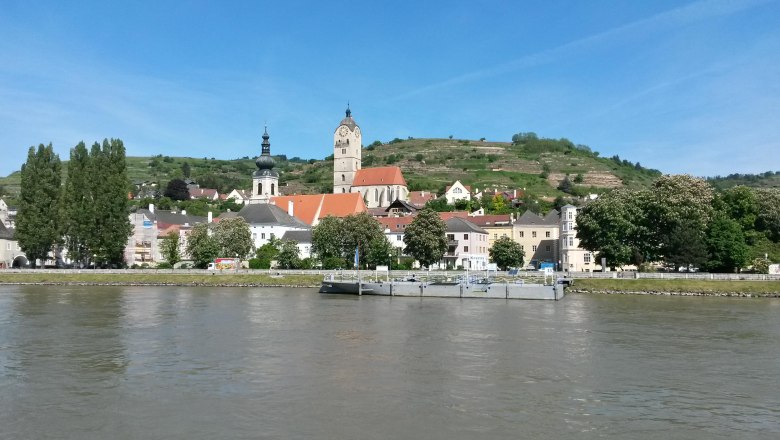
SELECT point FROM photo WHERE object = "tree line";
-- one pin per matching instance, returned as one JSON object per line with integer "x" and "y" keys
{"x": 88, "y": 215}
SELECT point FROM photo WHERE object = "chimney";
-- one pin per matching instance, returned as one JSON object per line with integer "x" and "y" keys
{"x": 210, "y": 216}
{"x": 151, "y": 208}
{"x": 183, "y": 212}
{"x": 290, "y": 208}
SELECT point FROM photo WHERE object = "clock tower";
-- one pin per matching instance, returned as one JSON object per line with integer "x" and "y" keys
{"x": 347, "y": 145}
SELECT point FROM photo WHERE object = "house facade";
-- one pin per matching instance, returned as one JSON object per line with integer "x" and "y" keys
{"x": 467, "y": 245}
{"x": 11, "y": 254}
{"x": 538, "y": 237}
{"x": 266, "y": 221}
{"x": 574, "y": 258}
{"x": 457, "y": 191}
{"x": 143, "y": 245}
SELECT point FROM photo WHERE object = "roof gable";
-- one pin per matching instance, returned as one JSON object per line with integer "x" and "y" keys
{"x": 310, "y": 208}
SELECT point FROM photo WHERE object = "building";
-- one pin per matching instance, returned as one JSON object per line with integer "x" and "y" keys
{"x": 394, "y": 228}
{"x": 266, "y": 221}
{"x": 265, "y": 180}
{"x": 239, "y": 196}
{"x": 310, "y": 208}
{"x": 347, "y": 146}
{"x": 467, "y": 245}
{"x": 457, "y": 191}
{"x": 497, "y": 226}
{"x": 573, "y": 258}
{"x": 379, "y": 187}
{"x": 149, "y": 226}
{"x": 7, "y": 215}
{"x": 538, "y": 237}
{"x": 203, "y": 193}
{"x": 303, "y": 239}
{"x": 420, "y": 198}
{"x": 11, "y": 254}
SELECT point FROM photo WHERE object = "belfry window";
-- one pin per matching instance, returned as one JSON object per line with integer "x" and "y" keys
{"x": 273, "y": 187}
{"x": 259, "y": 188}
{"x": 343, "y": 178}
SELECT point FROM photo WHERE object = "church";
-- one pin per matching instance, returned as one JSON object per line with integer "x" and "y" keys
{"x": 380, "y": 186}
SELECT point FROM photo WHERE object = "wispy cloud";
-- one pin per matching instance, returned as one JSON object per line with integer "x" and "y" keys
{"x": 696, "y": 11}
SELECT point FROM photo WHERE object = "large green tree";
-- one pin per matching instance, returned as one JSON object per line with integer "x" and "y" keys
{"x": 169, "y": 248}
{"x": 201, "y": 247}
{"x": 176, "y": 189}
{"x": 677, "y": 200}
{"x": 289, "y": 256}
{"x": 685, "y": 247}
{"x": 110, "y": 186}
{"x": 614, "y": 226}
{"x": 507, "y": 253}
{"x": 726, "y": 244}
{"x": 379, "y": 252}
{"x": 327, "y": 240}
{"x": 37, "y": 224}
{"x": 769, "y": 212}
{"x": 360, "y": 231}
{"x": 425, "y": 237}
{"x": 78, "y": 206}
{"x": 233, "y": 238}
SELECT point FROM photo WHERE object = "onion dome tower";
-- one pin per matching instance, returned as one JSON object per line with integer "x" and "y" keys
{"x": 265, "y": 180}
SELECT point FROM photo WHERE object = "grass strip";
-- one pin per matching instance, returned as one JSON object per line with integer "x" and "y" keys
{"x": 677, "y": 286}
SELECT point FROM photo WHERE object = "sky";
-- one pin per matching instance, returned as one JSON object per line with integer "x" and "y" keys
{"x": 683, "y": 87}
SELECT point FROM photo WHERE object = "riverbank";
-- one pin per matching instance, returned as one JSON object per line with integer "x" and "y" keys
{"x": 161, "y": 279}
{"x": 769, "y": 289}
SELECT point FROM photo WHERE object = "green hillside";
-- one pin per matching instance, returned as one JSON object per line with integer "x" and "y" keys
{"x": 536, "y": 164}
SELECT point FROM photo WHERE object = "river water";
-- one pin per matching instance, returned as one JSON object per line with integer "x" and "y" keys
{"x": 205, "y": 363}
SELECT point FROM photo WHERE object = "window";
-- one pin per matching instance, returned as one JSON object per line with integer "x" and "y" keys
{"x": 495, "y": 236}
{"x": 272, "y": 235}
{"x": 9, "y": 246}
{"x": 504, "y": 234}
{"x": 547, "y": 234}
{"x": 450, "y": 237}
{"x": 456, "y": 191}
{"x": 262, "y": 236}
{"x": 465, "y": 236}
{"x": 586, "y": 258}
{"x": 254, "y": 236}
{"x": 343, "y": 190}
{"x": 547, "y": 248}
{"x": 259, "y": 188}
{"x": 343, "y": 178}
{"x": 522, "y": 247}
{"x": 571, "y": 241}
{"x": 398, "y": 237}
{"x": 273, "y": 188}
{"x": 533, "y": 234}
{"x": 376, "y": 194}
{"x": 533, "y": 248}
{"x": 521, "y": 234}
{"x": 343, "y": 151}
{"x": 569, "y": 215}
{"x": 465, "y": 248}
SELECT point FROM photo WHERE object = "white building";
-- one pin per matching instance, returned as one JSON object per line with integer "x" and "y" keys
{"x": 457, "y": 191}
{"x": 266, "y": 221}
{"x": 379, "y": 187}
{"x": 467, "y": 245}
{"x": 303, "y": 240}
{"x": 11, "y": 254}
{"x": 573, "y": 258}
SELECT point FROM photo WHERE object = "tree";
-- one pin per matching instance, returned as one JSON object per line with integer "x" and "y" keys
{"x": 110, "y": 187}
{"x": 233, "y": 238}
{"x": 679, "y": 199}
{"x": 614, "y": 227}
{"x": 177, "y": 190}
{"x": 507, "y": 253}
{"x": 378, "y": 252}
{"x": 359, "y": 231}
{"x": 499, "y": 205}
{"x": 266, "y": 254}
{"x": 203, "y": 249}
{"x": 289, "y": 256}
{"x": 769, "y": 212}
{"x": 169, "y": 248}
{"x": 685, "y": 247}
{"x": 186, "y": 170}
{"x": 579, "y": 178}
{"x": 726, "y": 245}
{"x": 741, "y": 204}
{"x": 425, "y": 237}
{"x": 565, "y": 185}
{"x": 326, "y": 238}
{"x": 77, "y": 213}
{"x": 37, "y": 224}
{"x": 439, "y": 205}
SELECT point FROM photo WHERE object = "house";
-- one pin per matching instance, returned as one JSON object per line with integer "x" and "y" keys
{"x": 303, "y": 239}
{"x": 7, "y": 215}
{"x": 538, "y": 236}
{"x": 497, "y": 226}
{"x": 467, "y": 245}
{"x": 420, "y": 198}
{"x": 310, "y": 208}
{"x": 11, "y": 254}
{"x": 394, "y": 230}
{"x": 266, "y": 221}
{"x": 457, "y": 191}
{"x": 240, "y": 196}
{"x": 143, "y": 243}
{"x": 204, "y": 193}
{"x": 379, "y": 187}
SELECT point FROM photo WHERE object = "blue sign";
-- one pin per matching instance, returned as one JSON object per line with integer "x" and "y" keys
{"x": 147, "y": 224}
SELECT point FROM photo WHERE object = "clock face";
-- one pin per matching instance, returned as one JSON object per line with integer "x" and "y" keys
{"x": 357, "y": 131}
{"x": 343, "y": 130}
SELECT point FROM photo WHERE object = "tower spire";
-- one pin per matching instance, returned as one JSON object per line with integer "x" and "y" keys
{"x": 349, "y": 112}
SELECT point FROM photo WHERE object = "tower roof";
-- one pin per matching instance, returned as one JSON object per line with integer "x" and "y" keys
{"x": 348, "y": 121}
{"x": 265, "y": 162}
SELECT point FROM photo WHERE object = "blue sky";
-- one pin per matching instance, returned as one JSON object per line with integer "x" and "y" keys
{"x": 684, "y": 87}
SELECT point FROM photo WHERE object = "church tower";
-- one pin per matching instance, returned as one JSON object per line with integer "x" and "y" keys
{"x": 265, "y": 180}
{"x": 347, "y": 144}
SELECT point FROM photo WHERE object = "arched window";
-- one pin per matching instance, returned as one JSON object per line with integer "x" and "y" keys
{"x": 376, "y": 194}
{"x": 389, "y": 194}
{"x": 273, "y": 187}
{"x": 343, "y": 190}
{"x": 347, "y": 141}
{"x": 343, "y": 178}
{"x": 259, "y": 188}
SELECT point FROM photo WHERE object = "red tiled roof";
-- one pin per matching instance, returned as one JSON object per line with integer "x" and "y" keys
{"x": 448, "y": 215}
{"x": 309, "y": 208}
{"x": 379, "y": 176}
{"x": 197, "y": 193}
{"x": 491, "y": 220}
{"x": 395, "y": 224}
{"x": 420, "y": 198}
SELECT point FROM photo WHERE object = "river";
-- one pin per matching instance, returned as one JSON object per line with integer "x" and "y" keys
{"x": 232, "y": 363}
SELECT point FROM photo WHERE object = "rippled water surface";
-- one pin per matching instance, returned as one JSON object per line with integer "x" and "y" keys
{"x": 187, "y": 363}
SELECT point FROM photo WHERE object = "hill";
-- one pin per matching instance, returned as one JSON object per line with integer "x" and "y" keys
{"x": 536, "y": 164}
